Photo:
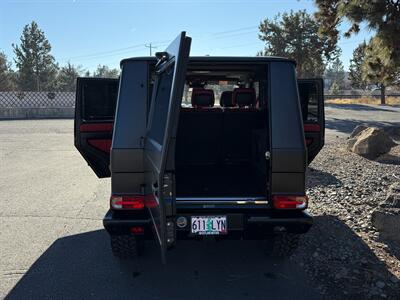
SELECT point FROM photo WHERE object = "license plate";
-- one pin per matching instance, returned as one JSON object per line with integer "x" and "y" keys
{"x": 209, "y": 225}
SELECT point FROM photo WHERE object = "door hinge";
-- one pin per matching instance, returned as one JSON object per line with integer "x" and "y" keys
{"x": 171, "y": 232}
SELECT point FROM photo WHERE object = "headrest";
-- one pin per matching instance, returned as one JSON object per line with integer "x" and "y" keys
{"x": 202, "y": 97}
{"x": 226, "y": 99}
{"x": 244, "y": 97}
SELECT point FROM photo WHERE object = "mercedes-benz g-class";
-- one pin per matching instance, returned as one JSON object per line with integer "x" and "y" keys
{"x": 202, "y": 146}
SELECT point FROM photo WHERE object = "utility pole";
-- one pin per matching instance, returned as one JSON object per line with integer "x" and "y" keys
{"x": 150, "y": 46}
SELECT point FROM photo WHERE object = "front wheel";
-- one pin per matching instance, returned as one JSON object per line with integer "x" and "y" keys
{"x": 282, "y": 245}
{"x": 126, "y": 246}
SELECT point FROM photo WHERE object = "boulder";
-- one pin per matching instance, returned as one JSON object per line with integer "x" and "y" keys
{"x": 386, "y": 218}
{"x": 393, "y": 197}
{"x": 357, "y": 130}
{"x": 387, "y": 222}
{"x": 393, "y": 132}
{"x": 370, "y": 142}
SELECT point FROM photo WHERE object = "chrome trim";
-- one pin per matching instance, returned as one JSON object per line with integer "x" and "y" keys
{"x": 223, "y": 200}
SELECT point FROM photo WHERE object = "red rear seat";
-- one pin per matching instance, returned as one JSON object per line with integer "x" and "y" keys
{"x": 199, "y": 130}
{"x": 202, "y": 98}
{"x": 244, "y": 97}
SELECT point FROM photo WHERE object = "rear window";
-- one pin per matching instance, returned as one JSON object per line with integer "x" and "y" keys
{"x": 218, "y": 87}
{"x": 161, "y": 106}
{"x": 100, "y": 99}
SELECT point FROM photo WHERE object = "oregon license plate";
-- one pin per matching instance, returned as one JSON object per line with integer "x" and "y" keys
{"x": 206, "y": 225}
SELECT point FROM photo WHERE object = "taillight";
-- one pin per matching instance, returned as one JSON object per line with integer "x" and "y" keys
{"x": 137, "y": 230}
{"x": 290, "y": 202}
{"x": 127, "y": 202}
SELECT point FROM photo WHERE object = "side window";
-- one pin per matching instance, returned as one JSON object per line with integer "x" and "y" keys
{"x": 308, "y": 93}
{"x": 100, "y": 99}
{"x": 161, "y": 105}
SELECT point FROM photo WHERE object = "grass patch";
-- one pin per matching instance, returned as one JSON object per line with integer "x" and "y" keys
{"x": 365, "y": 100}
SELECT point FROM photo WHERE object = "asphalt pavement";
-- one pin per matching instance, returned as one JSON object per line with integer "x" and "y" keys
{"x": 53, "y": 246}
{"x": 340, "y": 119}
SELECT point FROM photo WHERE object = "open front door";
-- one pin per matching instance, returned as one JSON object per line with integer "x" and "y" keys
{"x": 163, "y": 117}
{"x": 311, "y": 92}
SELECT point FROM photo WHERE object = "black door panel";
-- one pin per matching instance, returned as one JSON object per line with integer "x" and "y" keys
{"x": 312, "y": 106}
{"x": 163, "y": 118}
{"x": 95, "y": 104}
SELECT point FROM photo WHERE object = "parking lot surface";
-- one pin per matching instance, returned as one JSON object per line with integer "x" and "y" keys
{"x": 52, "y": 243}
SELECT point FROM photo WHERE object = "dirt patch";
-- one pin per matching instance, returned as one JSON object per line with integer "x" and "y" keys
{"x": 365, "y": 100}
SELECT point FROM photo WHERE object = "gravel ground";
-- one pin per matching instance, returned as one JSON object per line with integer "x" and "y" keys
{"x": 343, "y": 252}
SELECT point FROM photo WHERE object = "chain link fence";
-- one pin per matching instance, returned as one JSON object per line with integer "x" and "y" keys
{"x": 67, "y": 99}
{"x": 37, "y": 99}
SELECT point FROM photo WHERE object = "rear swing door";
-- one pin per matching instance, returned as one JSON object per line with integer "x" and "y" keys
{"x": 163, "y": 117}
{"x": 95, "y": 104}
{"x": 311, "y": 93}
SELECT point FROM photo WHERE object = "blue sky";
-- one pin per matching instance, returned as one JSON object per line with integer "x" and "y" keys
{"x": 90, "y": 32}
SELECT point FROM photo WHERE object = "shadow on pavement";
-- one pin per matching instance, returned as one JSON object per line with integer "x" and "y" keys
{"x": 393, "y": 247}
{"x": 81, "y": 266}
{"x": 347, "y": 125}
{"x": 389, "y": 159}
{"x": 320, "y": 178}
{"x": 364, "y": 107}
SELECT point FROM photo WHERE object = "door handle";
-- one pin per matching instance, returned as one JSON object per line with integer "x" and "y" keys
{"x": 267, "y": 155}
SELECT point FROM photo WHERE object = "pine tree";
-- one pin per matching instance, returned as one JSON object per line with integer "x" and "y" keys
{"x": 335, "y": 73}
{"x": 105, "y": 72}
{"x": 7, "y": 78}
{"x": 382, "y": 16}
{"x": 295, "y": 35}
{"x": 382, "y": 54}
{"x": 66, "y": 78}
{"x": 379, "y": 67}
{"x": 334, "y": 89}
{"x": 356, "y": 67}
{"x": 36, "y": 67}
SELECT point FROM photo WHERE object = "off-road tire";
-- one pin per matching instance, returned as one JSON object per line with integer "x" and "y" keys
{"x": 126, "y": 246}
{"x": 282, "y": 245}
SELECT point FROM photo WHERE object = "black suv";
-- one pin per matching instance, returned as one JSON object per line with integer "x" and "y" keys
{"x": 201, "y": 146}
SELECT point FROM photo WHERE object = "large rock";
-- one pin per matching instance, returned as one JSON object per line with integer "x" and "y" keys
{"x": 393, "y": 132}
{"x": 393, "y": 197}
{"x": 370, "y": 142}
{"x": 357, "y": 130}
{"x": 387, "y": 217}
{"x": 387, "y": 221}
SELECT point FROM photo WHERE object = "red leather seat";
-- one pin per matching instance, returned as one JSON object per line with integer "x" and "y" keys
{"x": 202, "y": 98}
{"x": 244, "y": 97}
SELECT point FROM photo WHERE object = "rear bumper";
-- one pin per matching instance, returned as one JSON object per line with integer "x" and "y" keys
{"x": 240, "y": 225}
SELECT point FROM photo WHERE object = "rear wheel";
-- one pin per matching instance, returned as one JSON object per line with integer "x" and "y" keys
{"x": 282, "y": 245}
{"x": 126, "y": 246}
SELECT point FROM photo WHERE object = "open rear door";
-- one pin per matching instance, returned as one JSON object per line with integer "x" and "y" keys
{"x": 95, "y": 103}
{"x": 311, "y": 92}
{"x": 163, "y": 118}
